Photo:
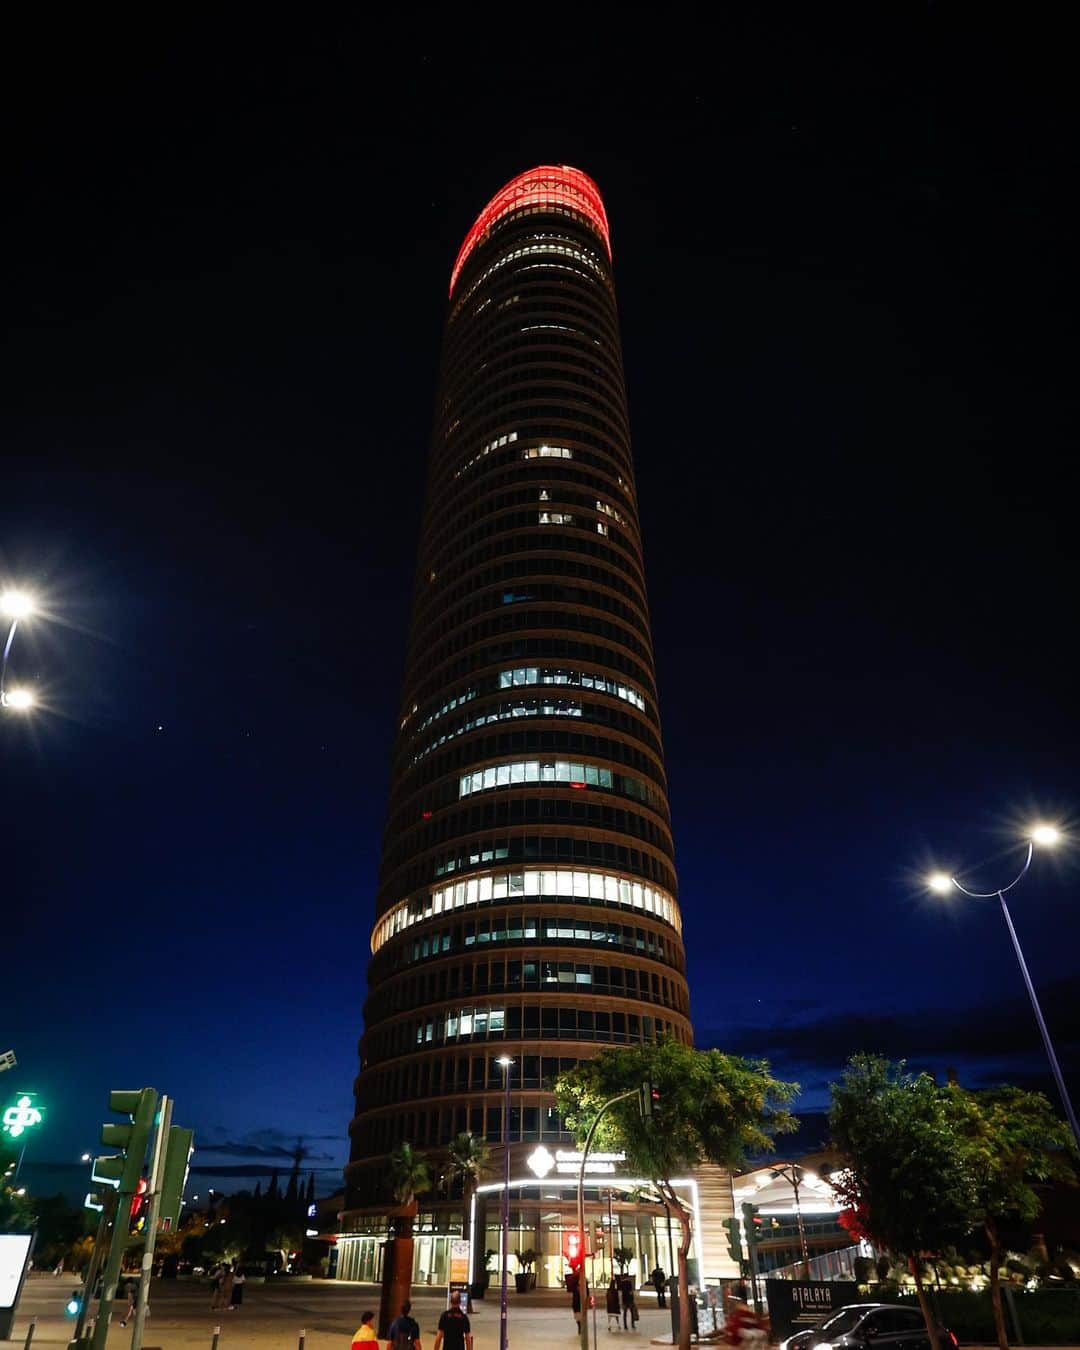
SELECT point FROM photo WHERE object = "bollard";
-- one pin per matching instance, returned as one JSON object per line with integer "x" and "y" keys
{"x": 303, "y": 1337}
{"x": 30, "y": 1333}
{"x": 217, "y": 1335}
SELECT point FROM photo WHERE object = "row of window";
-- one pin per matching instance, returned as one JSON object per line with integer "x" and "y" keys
{"x": 568, "y": 420}
{"x": 511, "y": 927}
{"x": 518, "y": 546}
{"x": 577, "y": 398}
{"x": 441, "y": 1075}
{"x": 426, "y": 785}
{"x": 582, "y": 776}
{"x": 531, "y": 1022}
{"x": 505, "y": 439}
{"x": 506, "y": 474}
{"x": 432, "y": 1129}
{"x": 426, "y": 987}
{"x": 452, "y": 618}
{"x": 504, "y": 712}
{"x": 544, "y": 243}
{"x": 499, "y": 625}
{"x": 530, "y": 299}
{"x": 522, "y": 676}
{"x": 556, "y": 884}
{"x": 558, "y": 849}
{"x": 577, "y": 812}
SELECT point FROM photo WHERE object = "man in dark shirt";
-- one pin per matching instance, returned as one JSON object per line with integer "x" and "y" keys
{"x": 404, "y": 1331}
{"x": 454, "y": 1331}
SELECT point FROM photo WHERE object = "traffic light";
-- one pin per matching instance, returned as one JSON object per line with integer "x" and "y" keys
{"x": 123, "y": 1170}
{"x": 178, "y": 1150}
{"x": 734, "y": 1240}
{"x": 648, "y": 1100}
{"x": 751, "y": 1218}
{"x": 138, "y": 1209}
{"x": 572, "y": 1248}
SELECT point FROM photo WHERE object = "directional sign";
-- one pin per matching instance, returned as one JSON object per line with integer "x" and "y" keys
{"x": 21, "y": 1116}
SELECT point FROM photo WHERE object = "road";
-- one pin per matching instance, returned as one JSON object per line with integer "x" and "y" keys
{"x": 272, "y": 1317}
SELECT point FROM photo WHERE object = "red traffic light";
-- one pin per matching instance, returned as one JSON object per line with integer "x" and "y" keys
{"x": 572, "y": 1247}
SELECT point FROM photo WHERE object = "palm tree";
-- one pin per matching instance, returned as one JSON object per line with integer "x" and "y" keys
{"x": 409, "y": 1177}
{"x": 466, "y": 1161}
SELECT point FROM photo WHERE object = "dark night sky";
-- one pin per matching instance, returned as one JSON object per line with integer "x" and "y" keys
{"x": 844, "y": 259}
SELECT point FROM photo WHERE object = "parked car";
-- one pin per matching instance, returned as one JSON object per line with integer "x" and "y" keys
{"x": 890, "y": 1326}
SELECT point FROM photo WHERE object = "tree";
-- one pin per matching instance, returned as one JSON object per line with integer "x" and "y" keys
{"x": 622, "y": 1256}
{"x": 906, "y": 1180}
{"x": 409, "y": 1177}
{"x": 712, "y": 1107}
{"x": 1011, "y": 1139}
{"x": 467, "y": 1160}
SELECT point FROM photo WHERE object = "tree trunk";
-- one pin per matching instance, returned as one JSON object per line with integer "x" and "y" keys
{"x": 995, "y": 1284}
{"x": 924, "y": 1304}
{"x": 397, "y": 1269}
{"x": 684, "y": 1286}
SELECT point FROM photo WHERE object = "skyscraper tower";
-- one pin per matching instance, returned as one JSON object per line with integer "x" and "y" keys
{"x": 527, "y": 894}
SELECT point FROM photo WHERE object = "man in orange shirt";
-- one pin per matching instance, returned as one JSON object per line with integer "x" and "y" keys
{"x": 366, "y": 1334}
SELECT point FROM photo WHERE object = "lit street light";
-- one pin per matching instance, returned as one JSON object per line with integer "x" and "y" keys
{"x": 16, "y": 605}
{"x": 1046, "y": 836}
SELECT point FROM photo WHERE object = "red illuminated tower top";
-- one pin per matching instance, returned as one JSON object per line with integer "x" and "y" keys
{"x": 555, "y": 185}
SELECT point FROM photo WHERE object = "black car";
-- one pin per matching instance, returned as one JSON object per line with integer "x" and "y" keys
{"x": 892, "y": 1326}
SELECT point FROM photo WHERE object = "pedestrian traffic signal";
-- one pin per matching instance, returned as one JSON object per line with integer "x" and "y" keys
{"x": 139, "y": 1203}
{"x": 734, "y": 1240}
{"x": 573, "y": 1247}
{"x": 178, "y": 1150}
{"x": 752, "y": 1220}
{"x": 648, "y": 1099}
{"x": 123, "y": 1170}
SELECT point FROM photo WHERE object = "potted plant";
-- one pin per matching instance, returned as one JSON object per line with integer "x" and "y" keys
{"x": 525, "y": 1279}
{"x": 480, "y": 1287}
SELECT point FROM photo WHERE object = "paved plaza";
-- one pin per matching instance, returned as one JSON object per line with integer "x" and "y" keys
{"x": 273, "y": 1316}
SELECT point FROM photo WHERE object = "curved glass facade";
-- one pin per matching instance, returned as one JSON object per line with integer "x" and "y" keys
{"x": 527, "y": 901}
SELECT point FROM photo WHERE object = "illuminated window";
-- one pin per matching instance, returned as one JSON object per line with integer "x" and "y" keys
{"x": 446, "y": 707}
{"x": 555, "y": 518}
{"x": 526, "y": 675}
{"x": 601, "y": 528}
{"x": 547, "y": 452}
{"x": 598, "y": 888}
{"x": 496, "y": 444}
{"x": 609, "y": 510}
{"x": 577, "y": 775}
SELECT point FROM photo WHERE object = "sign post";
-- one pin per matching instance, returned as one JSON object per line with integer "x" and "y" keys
{"x": 797, "y": 1305}
{"x": 459, "y": 1271}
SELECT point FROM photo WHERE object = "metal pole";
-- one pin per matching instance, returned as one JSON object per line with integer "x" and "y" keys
{"x": 157, "y": 1167}
{"x": 505, "y": 1235}
{"x": 303, "y": 1338}
{"x": 217, "y": 1337}
{"x": 30, "y": 1333}
{"x": 93, "y": 1266}
{"x": 583, "y": 1284}
{"x": 799, "y": 1219}
{"x": 18, "y": 1165}
{"x": 1054, "y": 1066}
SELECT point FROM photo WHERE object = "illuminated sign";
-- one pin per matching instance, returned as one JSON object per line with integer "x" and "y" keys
{"x": 14, "y": 1249}
{"x": 23, "y": 1115}
{"x": 568, "y": 1163}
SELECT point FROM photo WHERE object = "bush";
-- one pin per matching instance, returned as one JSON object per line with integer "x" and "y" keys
{"x": 1047, "y": 1316}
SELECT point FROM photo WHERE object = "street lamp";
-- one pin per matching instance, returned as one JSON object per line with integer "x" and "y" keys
{"x": 506, "y": 1064}
{"x": 1046, "y": 836}
{"x": 15, "y": 605}
{"x": 793, "y": 1174}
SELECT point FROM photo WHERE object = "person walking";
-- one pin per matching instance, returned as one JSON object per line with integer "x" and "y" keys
{"x": 365, "y": 1333}
{"x": 130, "y": 1293}
{"x": 215, "y": 1297}
{"x": 455, "y": 1332}
{"x": 629, "y": 1307}
{"x": 225, "y": 1291}
{"x": 613, "y": 1305}
{"x": 404, "y": 1333}
{"x": 239, "y": 1280}
{"x": 659, "y": 1283}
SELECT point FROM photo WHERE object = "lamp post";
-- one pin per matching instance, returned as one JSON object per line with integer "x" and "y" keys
{"x": 506, "y": 1063}
{"x": 793, "y": 1174}
{"x": 15, "y": 605}
{"x": 1046, "y": 836}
